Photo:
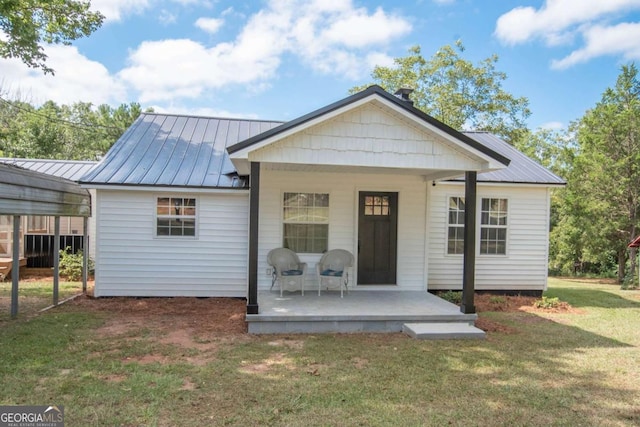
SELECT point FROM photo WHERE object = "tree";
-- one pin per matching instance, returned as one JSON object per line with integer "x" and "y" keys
{"x": 603, "y": 192}
{"x": 75, "y": 132}
{"x": 456, "y": 92}
{"x": 28, "y": 23}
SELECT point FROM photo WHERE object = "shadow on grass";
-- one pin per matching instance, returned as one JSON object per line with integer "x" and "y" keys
{"x": 544, "y": 373}
{"x": 585, "y": 297}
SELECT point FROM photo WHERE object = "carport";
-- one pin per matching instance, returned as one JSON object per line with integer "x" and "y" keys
{"x": 25, "y": 192}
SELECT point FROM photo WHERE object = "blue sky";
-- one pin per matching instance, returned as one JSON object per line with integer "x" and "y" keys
{"x": 279, "y": 59}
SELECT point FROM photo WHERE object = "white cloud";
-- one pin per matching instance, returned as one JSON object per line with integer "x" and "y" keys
{"x": 622, "y": 39}
{"x": 114, "y": 10}
{"x": 210, "y": 25}
{"x": 359, "y": 29}
{"x": 552, "y": 126}
{"x": 379, "y": 59}
{"x": 76, "y": 79}
{"x": 560, "y": 22}
{"x": 555, "y": 18}
{"x": 201, "y": 111}
{"x": 166, "y": 17}
{"x": 330, "y": 36}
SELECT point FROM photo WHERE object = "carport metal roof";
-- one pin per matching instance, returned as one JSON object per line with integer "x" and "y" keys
{"x": 25, "y": 192}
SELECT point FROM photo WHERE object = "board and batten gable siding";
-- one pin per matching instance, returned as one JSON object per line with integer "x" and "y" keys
{"x": 368, "y": 136}
{"x": 524, "y": 267}
{"x": 132, "y": 261}
{"x": 343, "y": 189}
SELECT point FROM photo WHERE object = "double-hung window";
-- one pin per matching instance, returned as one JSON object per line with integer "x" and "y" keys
{"x": 493, "y": 226}
{"x": 176, "y": 216}
{"x": 455, "y": 240}
{"x": 306, "y": 222}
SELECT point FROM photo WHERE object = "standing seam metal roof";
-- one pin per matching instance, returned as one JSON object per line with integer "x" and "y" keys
{"x": 190, "y": 151}
{"x": 176, "y": 150}
{"x": 521, "y": 170}
{"x": 72, "y": 170}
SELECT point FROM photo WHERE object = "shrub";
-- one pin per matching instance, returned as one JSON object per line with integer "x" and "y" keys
{"x": 547, "y": 302}
{"x": 71, "y": 264}
{"x": 452, "y": 296}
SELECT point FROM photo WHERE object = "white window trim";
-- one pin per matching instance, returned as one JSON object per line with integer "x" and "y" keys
{"x": 478, "y": 225}
{"x": 175, "y": 196}
{"x": 282, "y": 223}
{"x": 447, "y": 225}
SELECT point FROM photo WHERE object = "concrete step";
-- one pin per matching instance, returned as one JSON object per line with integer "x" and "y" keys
{"x": 442, "y": 331}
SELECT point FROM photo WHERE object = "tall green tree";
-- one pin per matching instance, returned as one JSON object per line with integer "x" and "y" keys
{"x": 603, "y": 194}
{"x": 457, "y": 92}
{"x": 76, "y": 132}
{"x": 29, "y": 23}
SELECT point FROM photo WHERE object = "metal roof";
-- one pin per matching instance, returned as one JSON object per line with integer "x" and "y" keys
{"x": 176, "y": 150}
{"x": 25, "y": 192}
{"x": 67, "y": 169}
{"x": 521, "y": 170}
{"x": 192, "y": 151}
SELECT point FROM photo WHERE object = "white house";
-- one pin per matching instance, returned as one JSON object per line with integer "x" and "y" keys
{"x": 190, "y": 206}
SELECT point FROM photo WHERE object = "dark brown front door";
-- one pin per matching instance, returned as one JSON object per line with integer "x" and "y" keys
{"x": 377, "y": 238}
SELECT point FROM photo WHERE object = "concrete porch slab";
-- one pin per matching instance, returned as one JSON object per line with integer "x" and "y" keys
{"x": 359, "y": 311}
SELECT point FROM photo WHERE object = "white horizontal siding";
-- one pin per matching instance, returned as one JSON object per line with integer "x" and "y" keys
{"x": 343, "y": 199}
{"x": 370, "y": 137}
{"x": 131, "y": 261}
{"x": 524, "y": 267}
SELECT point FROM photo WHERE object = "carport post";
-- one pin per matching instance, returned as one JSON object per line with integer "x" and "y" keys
{"x": 85, "y": 253}
{"x": 56, "y": 259}
{"x": 15, "y": 268}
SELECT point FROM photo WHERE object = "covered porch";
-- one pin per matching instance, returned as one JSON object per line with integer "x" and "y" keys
{"x": 360, "y": 311}
{"x": 375, "y": 146}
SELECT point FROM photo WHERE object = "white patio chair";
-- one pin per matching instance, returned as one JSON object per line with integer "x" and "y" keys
{"x": 333, "y": 270}
{"x": 287, "y": 271}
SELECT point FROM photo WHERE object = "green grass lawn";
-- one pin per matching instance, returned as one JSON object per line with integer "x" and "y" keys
{"x": 34, "y": 295}
{"x": 565, "y": 369}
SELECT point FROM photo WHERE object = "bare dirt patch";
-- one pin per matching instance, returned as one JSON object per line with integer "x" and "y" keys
{"x": 518, "y": 303}
{"x": 183, "y": 321}
{"x": 520, "y": 306}
{"x": 196, "y": 327}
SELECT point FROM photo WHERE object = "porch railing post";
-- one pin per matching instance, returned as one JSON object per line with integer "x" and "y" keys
{"x": 254, "y": 209}
{"x": 469, "y": 269}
